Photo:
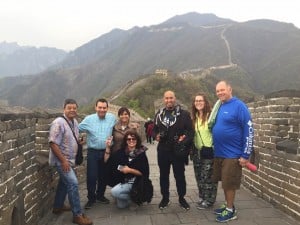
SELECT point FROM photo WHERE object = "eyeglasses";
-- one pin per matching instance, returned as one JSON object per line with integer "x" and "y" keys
{"x": 131, "y": 139}
{"x": 199, "y": 100}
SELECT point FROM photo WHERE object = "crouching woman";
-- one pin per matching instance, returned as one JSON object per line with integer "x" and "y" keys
{"x": 125, "y": 165}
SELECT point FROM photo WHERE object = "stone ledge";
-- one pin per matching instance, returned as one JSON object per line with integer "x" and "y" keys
{"x": 287, "y": 146}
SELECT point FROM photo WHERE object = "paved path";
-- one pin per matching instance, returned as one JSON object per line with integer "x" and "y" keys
{"x": 251, "y": 210}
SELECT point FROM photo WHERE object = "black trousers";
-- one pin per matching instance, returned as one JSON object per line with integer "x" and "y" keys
{"x": 165, "y": 159}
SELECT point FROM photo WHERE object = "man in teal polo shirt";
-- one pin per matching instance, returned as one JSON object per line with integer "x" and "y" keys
{"x": 98, "y": 128}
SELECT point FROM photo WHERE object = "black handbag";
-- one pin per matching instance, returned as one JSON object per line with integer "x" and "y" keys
{"x": 79, "y": 155}
{"x": 205, "y": 152}
{"x": 142, "y": 190}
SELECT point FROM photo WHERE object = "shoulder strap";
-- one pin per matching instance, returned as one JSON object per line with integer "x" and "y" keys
{"x": 70, "y": 128}
{"x": 197, "y": 123}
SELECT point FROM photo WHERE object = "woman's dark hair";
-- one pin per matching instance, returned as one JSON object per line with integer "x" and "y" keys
{"x": 122, "y": 110}
{"x": 133, "y": 133}
{"x": 206, "y": 109}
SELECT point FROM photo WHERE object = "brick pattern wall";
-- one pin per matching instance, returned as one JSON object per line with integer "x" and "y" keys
{"x": 277, "y": 153}
{"x": 27, "y": 183}
{"x": 20, "y": 184}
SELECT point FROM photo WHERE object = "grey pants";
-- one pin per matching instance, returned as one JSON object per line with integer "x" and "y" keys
{"x": 203, "y": 169}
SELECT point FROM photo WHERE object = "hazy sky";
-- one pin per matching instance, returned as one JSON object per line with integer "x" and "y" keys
{"x": 67, "y": 24}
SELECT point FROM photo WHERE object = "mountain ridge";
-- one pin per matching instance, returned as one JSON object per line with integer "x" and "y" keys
{"x": 18, "y": 60}
{"x": 108, "y": 62}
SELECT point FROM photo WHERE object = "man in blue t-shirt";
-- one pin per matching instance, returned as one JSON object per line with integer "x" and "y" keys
{"x": 233, "y": 144}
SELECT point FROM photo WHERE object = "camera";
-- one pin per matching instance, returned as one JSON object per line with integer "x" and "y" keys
{"x": 120, "y": 167}
{"x": 163, "y": 136}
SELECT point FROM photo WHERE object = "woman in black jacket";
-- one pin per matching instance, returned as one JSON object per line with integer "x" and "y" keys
{"x": 126, "y": 164}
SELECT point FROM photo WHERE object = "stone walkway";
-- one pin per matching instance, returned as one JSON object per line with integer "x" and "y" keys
{"x": 251, "y": 209}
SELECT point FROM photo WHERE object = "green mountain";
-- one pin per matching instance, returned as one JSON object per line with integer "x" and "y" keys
{"x": 145, "y": 94}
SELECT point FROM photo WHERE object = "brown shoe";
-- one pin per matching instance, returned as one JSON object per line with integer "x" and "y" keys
{"x": 61, "y": 210}
{"x": 82, "y": 220}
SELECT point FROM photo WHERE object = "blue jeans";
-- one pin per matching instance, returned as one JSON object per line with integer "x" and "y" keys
{"x": 96, "y": 169}
{"x": 121, "y": 193}
{"x": 67, "y": 184}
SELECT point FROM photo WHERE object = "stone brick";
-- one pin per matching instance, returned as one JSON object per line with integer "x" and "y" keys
{"x": 278, "y": 109}
{"x": 291, "y": 172}
{"x": 30, "y": 122}
{"x": 42, "y": 134}
{"x": 266, "y": 126}
{"x": 18, "y": 125}
{"x": 3, "y": 189}
{"x": 45, "y": 121}
{"x": 276, "y": 193}
{"x": 265, "y": 139}
{"x": 25, "y": 132}
{"x": 10, "y": 135}
{"x": 261, "y": 104}
{"x": 41, "y": 140}
{"x": 294, "y": 163}
{"x": 267, "y": 133}
{"x": 4, "y": 167}
{"x": 4, "y": 146}
{"x": 42, "y": 127}
{"x": 294, "y": 190}
{"x": 281, "y": 101}
{"x": 21, "y": 141}
{"x": 270, "y": 145}
{"x": 291, "y": 196}
{"x": 16, "y": 161}
{"x": 294, "y": 136}
{"x": 3, "y": 126}
{"x": 9, "y": 155}
{"x": 287, "y": 146}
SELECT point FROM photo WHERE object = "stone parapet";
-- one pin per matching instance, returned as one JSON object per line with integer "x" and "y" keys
{"x": 276, "y": 152}
{"x": 27, "y": 183}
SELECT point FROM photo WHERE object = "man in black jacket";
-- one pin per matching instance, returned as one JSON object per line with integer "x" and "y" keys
{"x": 173, "y": 129}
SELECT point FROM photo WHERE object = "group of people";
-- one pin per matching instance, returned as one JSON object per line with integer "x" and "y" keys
{"x": 219, "y": 141}
{"x": 149, "y": 125}
{"x": 223, "y": 143}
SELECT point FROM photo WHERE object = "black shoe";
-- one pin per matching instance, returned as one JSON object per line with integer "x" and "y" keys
{"x": 89, "y": 205}
{"x": 103, "y": 200}
{"x": 164, "y": 203}
{"x": 184, "y": 204}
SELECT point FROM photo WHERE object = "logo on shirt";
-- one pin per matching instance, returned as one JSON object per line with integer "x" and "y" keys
{"x": 249, "y": 139}
{"x": 250, "y": 123}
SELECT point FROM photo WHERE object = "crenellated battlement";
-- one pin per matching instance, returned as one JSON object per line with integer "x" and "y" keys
{"x": 276, "y": 152}
{"x": 27, "y": 183}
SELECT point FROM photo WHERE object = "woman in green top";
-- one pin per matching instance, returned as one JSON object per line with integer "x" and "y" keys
{"x": 202, "y": 156}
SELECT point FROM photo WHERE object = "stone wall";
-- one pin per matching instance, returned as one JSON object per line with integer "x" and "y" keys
{"x": 277, "y": 153}
{"x": 27, "y": 183}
